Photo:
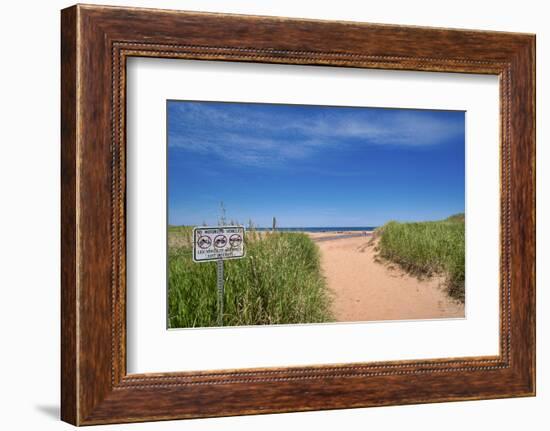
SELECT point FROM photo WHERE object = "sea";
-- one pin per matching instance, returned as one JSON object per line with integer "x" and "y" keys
{"x": 321, "y": 229}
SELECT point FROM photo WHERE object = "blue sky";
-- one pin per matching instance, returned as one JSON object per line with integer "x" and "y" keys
{"x": 313, "y": 165}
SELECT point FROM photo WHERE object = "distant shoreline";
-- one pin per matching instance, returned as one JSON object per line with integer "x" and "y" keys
{"x": 310, "y": 229}
{"x": 337, "y": 229}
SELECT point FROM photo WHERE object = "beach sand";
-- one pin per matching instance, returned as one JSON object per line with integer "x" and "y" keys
{"x": 366, "y": 289}
{"x": 322, "y": 235}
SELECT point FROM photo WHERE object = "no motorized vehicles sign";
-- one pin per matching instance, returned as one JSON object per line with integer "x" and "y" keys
{"x": 218, "y": 243}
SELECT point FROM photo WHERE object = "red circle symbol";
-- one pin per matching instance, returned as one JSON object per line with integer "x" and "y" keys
{"x": 204, "y": 242}
{"x": 220, "y": 241}
{"x": 235, "y": 240}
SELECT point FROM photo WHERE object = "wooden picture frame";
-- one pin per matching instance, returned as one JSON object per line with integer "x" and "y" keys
{"x": 95, "y": 43}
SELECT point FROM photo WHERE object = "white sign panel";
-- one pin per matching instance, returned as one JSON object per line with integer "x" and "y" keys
{"x": 215, "y": 243}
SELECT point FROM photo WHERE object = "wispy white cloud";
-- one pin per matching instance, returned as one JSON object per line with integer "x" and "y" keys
{"x": 270, "y": 135}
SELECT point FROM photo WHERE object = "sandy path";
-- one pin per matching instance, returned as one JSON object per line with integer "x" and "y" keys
{"x": 367, "y": 290}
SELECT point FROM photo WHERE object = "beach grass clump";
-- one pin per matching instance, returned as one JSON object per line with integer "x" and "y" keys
{"x": 279, "y": 281}
{"x": 180, "y": 236}
{"x": 426, "y": 248}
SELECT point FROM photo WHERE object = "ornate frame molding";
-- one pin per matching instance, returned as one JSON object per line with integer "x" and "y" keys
{"x": 96, "y": 41}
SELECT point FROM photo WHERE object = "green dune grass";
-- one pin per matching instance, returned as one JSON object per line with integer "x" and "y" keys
{"x": 278, "y": 282}
{"x": 428, "y": 247}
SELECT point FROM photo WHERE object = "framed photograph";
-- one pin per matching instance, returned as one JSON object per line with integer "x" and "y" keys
{"x": 264, "y": 215}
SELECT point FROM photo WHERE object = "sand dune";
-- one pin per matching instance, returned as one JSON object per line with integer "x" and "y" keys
{"x": 365, "y": 289}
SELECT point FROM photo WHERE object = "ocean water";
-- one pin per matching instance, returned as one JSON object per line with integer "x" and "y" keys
{"x": 321, "y": 229}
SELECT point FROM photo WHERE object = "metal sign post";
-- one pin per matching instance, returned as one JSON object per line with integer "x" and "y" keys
{"x": 218, "y": 243}
{"x": 220, "y": 291}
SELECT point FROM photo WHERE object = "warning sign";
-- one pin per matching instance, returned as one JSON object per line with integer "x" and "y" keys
{"x": 218, "y": 243}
